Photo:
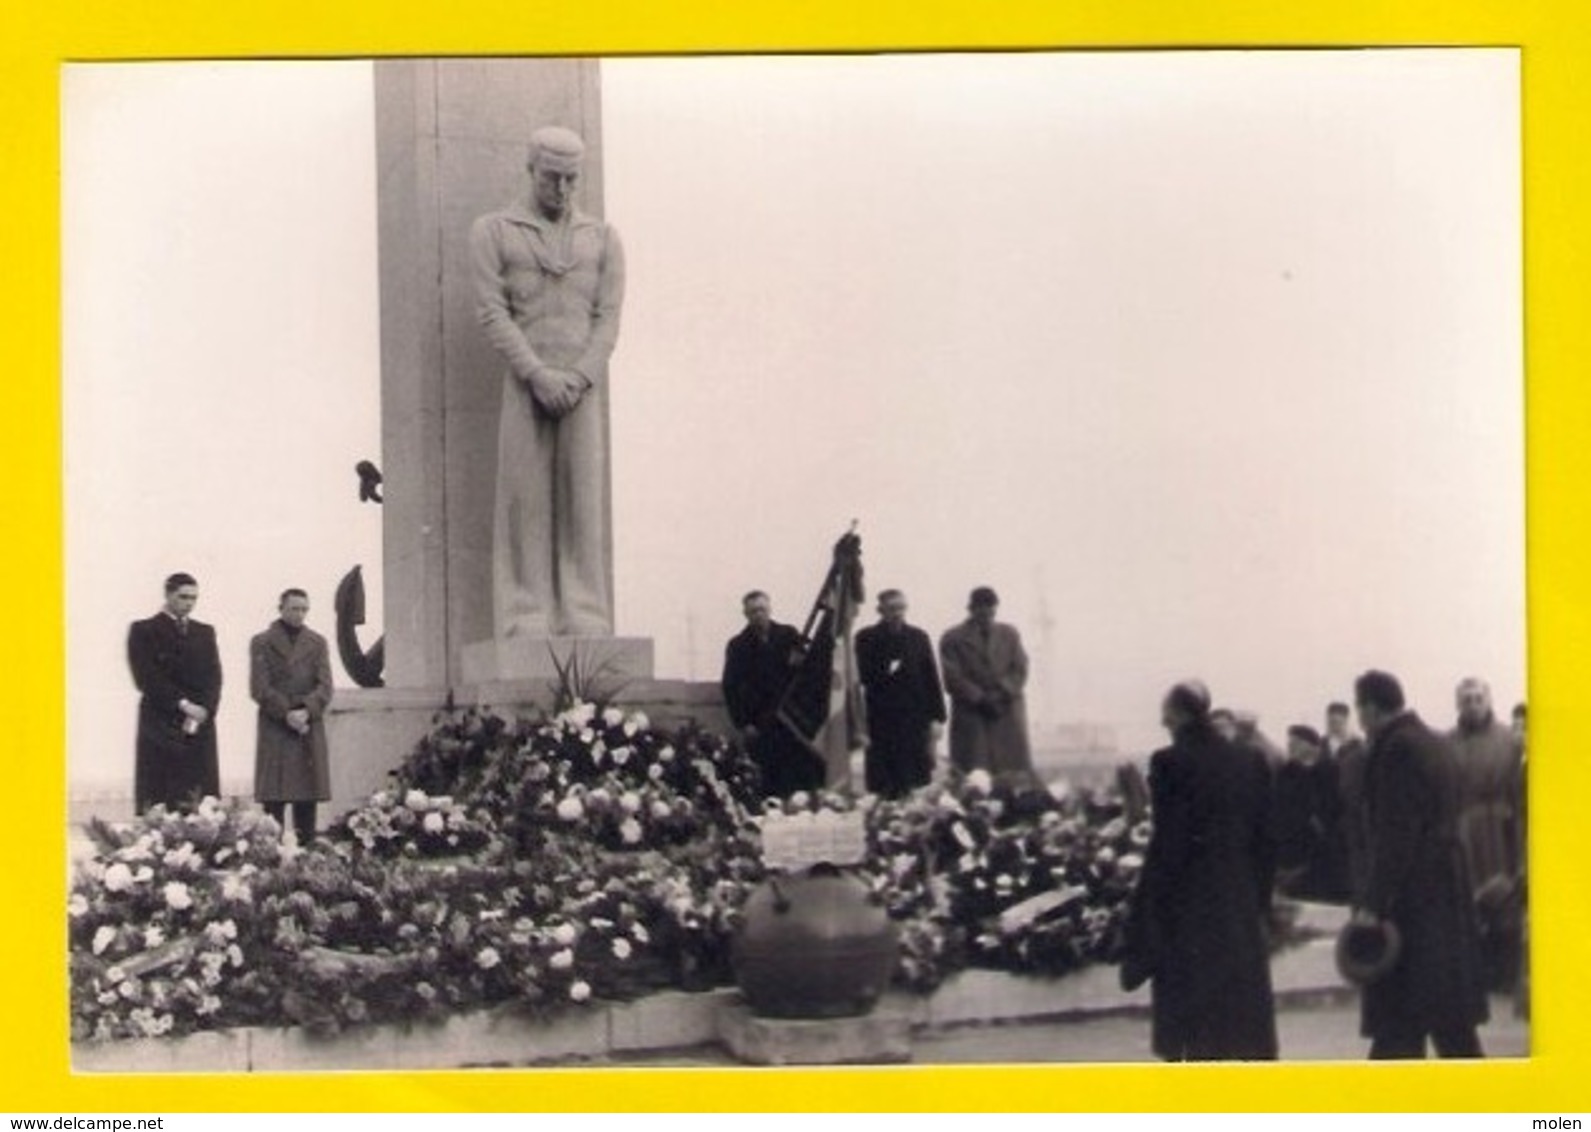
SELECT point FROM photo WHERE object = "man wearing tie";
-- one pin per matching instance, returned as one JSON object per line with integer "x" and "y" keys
{"x": 176, "y": 666}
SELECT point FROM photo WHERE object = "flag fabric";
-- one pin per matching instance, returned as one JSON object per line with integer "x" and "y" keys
{"x": 823, "y": 703}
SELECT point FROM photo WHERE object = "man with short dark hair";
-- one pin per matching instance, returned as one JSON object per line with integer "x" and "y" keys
{"x": 759, "y": 663}
{"x": 1311, "y": 855}
{"x": 905, "y": 700}
{"x": 290, "y": 678}
{"x": 1418, "y": 883}
{"x": 986, "y": 670}
{"x": 176, "y": 666}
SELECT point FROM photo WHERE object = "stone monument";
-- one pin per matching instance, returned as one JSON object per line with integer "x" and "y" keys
{"x": 452, "y": 141}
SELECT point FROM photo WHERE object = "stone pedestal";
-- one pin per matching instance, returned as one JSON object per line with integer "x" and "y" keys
{"x": 880, "y": 1038}
{"x": 607, "y": 662}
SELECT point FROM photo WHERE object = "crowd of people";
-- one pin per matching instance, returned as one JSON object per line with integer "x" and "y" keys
{"x": 1419, "y": 833}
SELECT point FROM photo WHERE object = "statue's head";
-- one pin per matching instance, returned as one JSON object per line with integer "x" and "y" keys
{"x": 557, "y": 156}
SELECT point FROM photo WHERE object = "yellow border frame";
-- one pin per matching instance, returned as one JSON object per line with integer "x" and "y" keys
{"x": 1557, "y": 110}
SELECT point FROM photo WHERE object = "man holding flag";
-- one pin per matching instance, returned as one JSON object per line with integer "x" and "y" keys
{"x": 823, "y": 704}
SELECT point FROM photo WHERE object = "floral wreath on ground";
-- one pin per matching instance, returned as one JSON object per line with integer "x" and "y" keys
{"x": 553, "y": 861}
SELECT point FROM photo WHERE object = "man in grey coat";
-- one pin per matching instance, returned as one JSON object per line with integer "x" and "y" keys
{"x": 986, "y": 669}
{"x": 290, "y": 678}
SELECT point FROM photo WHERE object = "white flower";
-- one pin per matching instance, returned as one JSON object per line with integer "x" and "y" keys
{"x": 655, "y": 771}
{"x": 570, "y": 809}
{"x": 1131, "y": 861}
{"x": 235, "y": 954}
{"x": 128, "y": 988}
{"x": 220, "y": 931}
{"x": 630, "y": 831}
{"x": 153, "y": 936}
{"x": 579, "y": 990}
{"x": 589, "y": 737}
{"x": 630, "y": 802}
{"x": 599, "y": 797}
{"x": 103, "y": 938}
{"x": 980, "y": 781}
{"x": 612, "y": 717}
{"x": 434, "y": 822}
{"x": 441, "y": 801}
{"x": 565, "y": 934}
{"x": 487, "y": 958}
{"x": 208, "y": 1004}
{"x": 666, "y": 755}
{"x": 380, "y": 800}
{"x": 115, "y": 975}
{"x": 621, "y": 948}
{"x": 562, "y": 960}
{"x": 178, "y": 896}
{"x": 660, "y": 810}
{"x": 416, "y": 800}
{"x": 640, "y": 933}
{"x": 118, "y": 878}
{"x": 78, "y": 905}
{"x": 143, "y": 873}
{"x": 800, "y": 800}
{"x": 621, "y": 755}
{"x": 636, "y": 722}
{"x": 181, "y": 857}
{"x": 107, "y": 998}
{"x": 235, "y": 888}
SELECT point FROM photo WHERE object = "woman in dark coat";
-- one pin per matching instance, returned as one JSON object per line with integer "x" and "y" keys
{"x": 1197, "y": 925}
{"x": 1418, "y": 881}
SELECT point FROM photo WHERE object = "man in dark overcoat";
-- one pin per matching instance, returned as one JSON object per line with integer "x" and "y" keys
{"x": 1417, "y": 881}
{"x": 986, "y": 670}
{"x": 759, "y": 663}
{"x": 905, "y": 700}
{"x": 290, "y": 679}
{"x": 177, "y": 667}
{"x": 1196, "y": 927}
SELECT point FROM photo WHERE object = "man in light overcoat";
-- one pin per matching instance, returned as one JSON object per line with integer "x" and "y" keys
{"x": 290, "y": 678}
{"x": 985, "y": 671}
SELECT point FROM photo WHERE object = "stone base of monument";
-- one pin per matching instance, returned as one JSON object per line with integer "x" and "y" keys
{"x": 881, "y": 1037}
{"x": 606, "y": 662}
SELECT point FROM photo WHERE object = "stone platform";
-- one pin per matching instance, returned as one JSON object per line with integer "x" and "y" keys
{"x": 880, "y": 1038}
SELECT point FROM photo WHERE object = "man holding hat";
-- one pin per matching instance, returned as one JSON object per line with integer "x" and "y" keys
{"x": 985, "y": 671}
{"x": 1419, "y": 884}
{"x": 549, "y": 283}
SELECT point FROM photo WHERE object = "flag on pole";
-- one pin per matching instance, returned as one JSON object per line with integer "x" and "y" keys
{"x": 823, "y": 703}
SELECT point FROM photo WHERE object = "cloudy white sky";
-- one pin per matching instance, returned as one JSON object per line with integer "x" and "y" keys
{"x": 1209, "y": 362}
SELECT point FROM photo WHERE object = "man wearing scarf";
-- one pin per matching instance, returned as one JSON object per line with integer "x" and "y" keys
{"x": 290, "y": 678}
{"x": 549, "y": 283}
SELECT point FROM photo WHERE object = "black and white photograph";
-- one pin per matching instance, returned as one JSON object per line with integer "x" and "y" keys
{"x": 795, "y": 560}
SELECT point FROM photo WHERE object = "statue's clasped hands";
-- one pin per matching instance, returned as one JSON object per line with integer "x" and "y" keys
{"x": 558, "y": 391}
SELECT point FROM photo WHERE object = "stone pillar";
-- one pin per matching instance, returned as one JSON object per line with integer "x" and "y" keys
{"x": 451, "y": 142}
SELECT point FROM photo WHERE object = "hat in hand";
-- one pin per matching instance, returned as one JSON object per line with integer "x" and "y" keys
{"x": 1366, "y": 952}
